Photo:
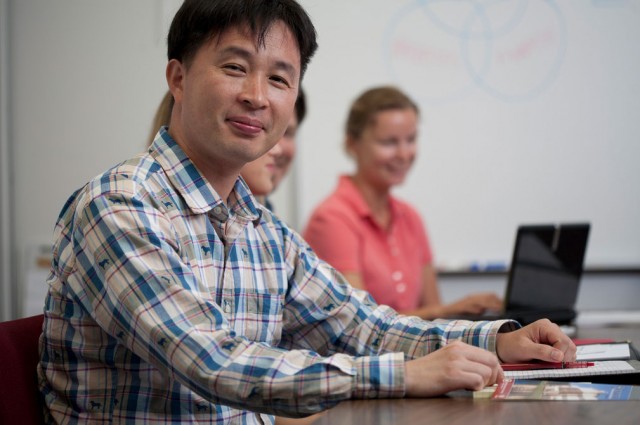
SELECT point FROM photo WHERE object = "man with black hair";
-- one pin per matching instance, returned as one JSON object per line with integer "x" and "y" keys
{"x": 174, "y": 297}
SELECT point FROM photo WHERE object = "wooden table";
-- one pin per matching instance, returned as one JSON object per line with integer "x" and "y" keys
{"x": 466, "y": 411}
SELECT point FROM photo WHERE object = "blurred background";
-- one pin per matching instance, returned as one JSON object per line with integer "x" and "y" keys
{"x": 530, "y": 113}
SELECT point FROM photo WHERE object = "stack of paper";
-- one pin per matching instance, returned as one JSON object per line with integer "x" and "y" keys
{"x": 610, "y": 367}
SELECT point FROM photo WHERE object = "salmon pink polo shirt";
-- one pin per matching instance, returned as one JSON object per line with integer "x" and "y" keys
{"x": 342, "y": 232}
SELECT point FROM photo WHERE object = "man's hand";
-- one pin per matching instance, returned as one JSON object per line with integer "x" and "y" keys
{"x": 452, "y": 367}
{"x": 541, "y": 340}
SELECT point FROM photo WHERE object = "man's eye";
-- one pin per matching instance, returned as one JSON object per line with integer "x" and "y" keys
{"x": 233, "y": 67}
{"x": 280, "y": 80}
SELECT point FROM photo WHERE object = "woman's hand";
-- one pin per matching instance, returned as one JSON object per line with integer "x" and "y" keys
{"x": 475, "y": 304}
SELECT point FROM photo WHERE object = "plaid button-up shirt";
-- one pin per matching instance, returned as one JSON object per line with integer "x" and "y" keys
{"x": 168, "y": 305}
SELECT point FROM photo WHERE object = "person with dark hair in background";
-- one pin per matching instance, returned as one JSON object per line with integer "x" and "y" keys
{"x": 288, "y": 141}
{"x": 377, "y": 241}
{"x": 174, "y": 297}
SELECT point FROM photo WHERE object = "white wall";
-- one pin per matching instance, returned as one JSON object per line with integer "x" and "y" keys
{"x": 87, "y": 75}
{"x": 598, "y": 292}
{"x": 530, "y": 113}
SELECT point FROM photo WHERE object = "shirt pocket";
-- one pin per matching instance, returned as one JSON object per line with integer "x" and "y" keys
{"x": 258, "y": 315}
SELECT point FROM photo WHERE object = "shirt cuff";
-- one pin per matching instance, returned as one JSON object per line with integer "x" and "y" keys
{"x": 379, "y": 376}
{"x": 499, "y": 326}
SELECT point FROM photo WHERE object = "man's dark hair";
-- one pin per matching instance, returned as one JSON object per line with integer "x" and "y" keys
{"x": 300, "y": 107}
{"x": 198, "y": 21}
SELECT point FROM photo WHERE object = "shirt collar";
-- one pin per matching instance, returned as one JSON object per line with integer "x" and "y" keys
{"x": 348, "y": 191}
{"x": 197, "y": 192}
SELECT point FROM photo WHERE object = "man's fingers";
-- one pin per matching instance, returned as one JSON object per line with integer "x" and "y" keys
{"x": 545, "y": 353}
{"x": 568, "y": 349}
{"x": 541, "y": 340}
{"x": 475, "y": 354}
{"x": 480, "y": 376}
{"x": 553, "y": 335}
{"x": 454, "y": 366}
{"x": 479, "y": 368}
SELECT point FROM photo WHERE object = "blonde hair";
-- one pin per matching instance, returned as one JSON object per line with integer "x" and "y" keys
{"x": 368, "y": 104}
{"x": 162, "y": 116}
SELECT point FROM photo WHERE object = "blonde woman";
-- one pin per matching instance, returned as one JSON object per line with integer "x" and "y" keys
{"x": 376, "y": 240}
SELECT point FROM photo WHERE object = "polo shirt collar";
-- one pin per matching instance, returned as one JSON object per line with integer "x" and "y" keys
{"x": 349, "y": 192}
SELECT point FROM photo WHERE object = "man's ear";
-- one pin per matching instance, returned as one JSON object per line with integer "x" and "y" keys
{"x": 175, "y": 79}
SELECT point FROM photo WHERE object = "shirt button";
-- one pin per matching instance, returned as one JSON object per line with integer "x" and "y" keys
{"x": 396, "y": 276}
{"x": 217, "y": 210}
{"x": 401, "y": 288}
{"x": 227, "y": 307}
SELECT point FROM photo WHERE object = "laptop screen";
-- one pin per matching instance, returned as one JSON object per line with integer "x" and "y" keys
{"x": 547, "y": 267}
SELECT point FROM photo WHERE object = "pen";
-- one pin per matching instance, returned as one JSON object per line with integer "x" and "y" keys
{"x": 545, "y": 365}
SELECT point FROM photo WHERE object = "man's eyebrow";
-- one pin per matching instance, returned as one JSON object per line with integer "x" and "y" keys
{"x": 288, "y": 68}
{"x": 236, "y": 50}
{"x": 246, "y": 54}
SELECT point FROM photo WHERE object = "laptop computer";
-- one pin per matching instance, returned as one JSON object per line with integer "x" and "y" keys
{"x": 545, "y": 273}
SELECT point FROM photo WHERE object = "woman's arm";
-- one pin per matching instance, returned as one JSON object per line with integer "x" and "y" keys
{"x": 432, "y": 306}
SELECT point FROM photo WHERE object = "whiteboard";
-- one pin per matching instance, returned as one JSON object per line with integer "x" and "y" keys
{"x": 530, "y": 112}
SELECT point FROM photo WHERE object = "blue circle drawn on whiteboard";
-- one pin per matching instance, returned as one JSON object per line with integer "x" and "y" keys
{"x": 443, "y": 50}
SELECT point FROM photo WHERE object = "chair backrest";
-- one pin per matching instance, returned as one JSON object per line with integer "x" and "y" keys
{"x": 20, "y": 399}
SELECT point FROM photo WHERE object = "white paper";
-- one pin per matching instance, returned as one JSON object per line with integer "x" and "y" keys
{"x": 616, "y": 351}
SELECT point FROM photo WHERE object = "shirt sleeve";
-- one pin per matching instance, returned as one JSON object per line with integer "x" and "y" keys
{"x": 131, "y": 277}
{"x": 327, "y": 315}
